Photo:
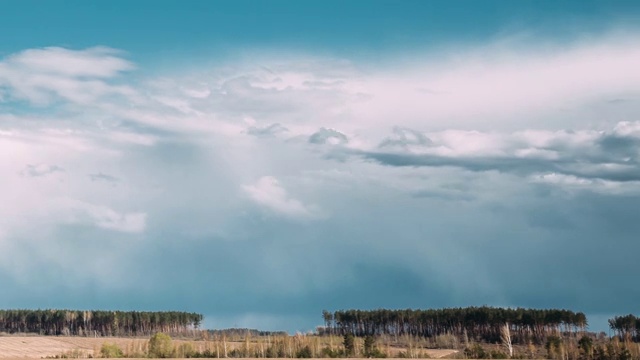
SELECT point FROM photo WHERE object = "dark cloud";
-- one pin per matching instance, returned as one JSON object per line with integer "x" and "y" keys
{"x": 403, "y": 137}
{"x": 585, "y": 243}
{"x": 621, "y": 147}
{"x": 104, "y": 177}
{"x": 617, "y": 101}
{"x": 328, "y": 136}
{"x": 608, "y": 156}
{"x": 528, "y": 166}
{"x": 446, "y": 195}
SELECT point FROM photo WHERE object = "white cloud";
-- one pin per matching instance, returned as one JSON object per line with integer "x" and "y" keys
{"x": 67, "y": 211}
{"x": 99, "y": 62}
{"x": 503, "y": 86}
{"x": 472, "y": 89}
{"x": 628, "y": 128}
{"x": 41, "y": 76}
{"x": 573, "y": 183}
{"x": 269, "y": 193}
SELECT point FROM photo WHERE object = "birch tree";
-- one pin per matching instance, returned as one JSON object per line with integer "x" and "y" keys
{"x": 505, "y": 336}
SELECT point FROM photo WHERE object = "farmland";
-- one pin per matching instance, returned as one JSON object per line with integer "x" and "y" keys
{"x": 37, "y": 347}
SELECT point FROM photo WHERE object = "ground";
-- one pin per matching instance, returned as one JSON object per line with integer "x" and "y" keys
{"x": 38, "y": 347}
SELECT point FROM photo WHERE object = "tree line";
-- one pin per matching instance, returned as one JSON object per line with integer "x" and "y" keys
{"x": 161, "y": 345}
{"x": 243, "y": 332}
{"x": 627, "y": 326}
{"x": 98, "y": 322}
{"x": 476, "y": 323}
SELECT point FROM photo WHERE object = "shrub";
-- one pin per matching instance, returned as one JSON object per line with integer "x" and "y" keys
{"x": 109, "y": 350}
{"x": 370, "y": 348}
{"x": 305, "y": 352}
{"x": 275, "y": 351}
{"x": 498, "y": 355}
{"x": 328, "y": 353}
{"x": 475, "y": 352}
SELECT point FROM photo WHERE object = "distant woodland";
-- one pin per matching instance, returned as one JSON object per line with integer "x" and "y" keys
{"x": 242, "y": 332}
{"x": 98, "y": 322}
{"x": 477, "y": 323}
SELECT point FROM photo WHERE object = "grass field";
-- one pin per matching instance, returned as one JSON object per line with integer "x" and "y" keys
{"x": 37, "y": 347}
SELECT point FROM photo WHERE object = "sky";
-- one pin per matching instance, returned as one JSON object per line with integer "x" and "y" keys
{"x": 261, "y": 161}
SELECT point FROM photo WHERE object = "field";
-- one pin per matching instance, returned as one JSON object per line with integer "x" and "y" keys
{"x": 43, "y": 346}
{"x": 38, "y": 347}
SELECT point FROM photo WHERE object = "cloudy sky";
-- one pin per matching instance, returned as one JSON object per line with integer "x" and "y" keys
{"x": 259, "y": 162}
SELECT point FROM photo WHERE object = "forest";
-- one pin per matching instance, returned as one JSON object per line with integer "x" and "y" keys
{"x": 477, "y": 323}
{"x": 98, "y": 322}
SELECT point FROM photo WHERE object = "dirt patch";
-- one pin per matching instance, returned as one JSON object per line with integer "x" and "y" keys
{"x": 440, "y": 353}
{"x": 34, "y": 347}
{"x": 44, "y": 346}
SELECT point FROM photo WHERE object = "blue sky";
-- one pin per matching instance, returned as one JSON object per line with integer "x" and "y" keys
{"x": 262, "y": 161}
{"x": 207, "y": 28}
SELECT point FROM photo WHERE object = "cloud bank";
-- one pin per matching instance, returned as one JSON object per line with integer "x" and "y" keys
{"x": 306, "y": 182}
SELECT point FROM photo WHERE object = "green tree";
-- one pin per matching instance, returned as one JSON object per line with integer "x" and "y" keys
{"x": 369, "y": 345}
{"x": 349, "y": 342}
{"x": 370, "y": 348}
{"x": 586, "y": 346}
{"x": 554, "y": 347}
{"x": 160, "y": 346}
{"x": 599, "y": 353}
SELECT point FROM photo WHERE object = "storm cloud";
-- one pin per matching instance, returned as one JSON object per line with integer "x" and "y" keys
{"x": 260, "y": 193}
